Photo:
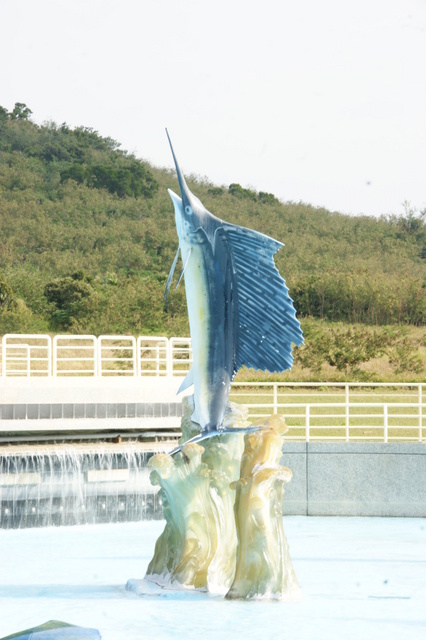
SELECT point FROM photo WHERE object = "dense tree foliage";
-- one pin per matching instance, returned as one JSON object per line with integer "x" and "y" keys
{"x": 71, "y": 201}
{"x": 238, "y": 191}
{"x": 81, "y": 154}
{"x": 132, "y": 179}
{"x": 72, "y": 298}
{"x": 7, "y": 298}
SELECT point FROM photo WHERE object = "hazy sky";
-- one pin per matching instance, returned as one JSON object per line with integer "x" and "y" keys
{"x": 319, "y": 101}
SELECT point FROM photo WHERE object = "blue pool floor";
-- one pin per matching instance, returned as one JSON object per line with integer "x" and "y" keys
{"x": 359, "y": 578}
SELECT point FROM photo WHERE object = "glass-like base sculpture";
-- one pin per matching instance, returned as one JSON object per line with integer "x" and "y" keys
{"x": 222, "y": 503}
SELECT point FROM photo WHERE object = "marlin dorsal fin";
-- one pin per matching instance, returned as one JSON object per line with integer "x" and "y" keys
{"x": 267, "y": 324}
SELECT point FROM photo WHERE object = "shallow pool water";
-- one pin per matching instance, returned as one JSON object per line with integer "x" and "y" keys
{"x": 360, "y": 578}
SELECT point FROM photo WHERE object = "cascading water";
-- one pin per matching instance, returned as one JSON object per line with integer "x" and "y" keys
{"x": 76, "y": 484}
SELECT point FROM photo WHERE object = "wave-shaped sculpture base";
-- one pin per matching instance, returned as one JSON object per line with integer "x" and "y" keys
{"x": 222, "y": 502}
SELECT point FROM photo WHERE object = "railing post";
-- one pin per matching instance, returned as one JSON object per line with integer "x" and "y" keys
{"x": 3, "y": 356}
{"x": 95, "y": 357}
{"x": 28, "y": 354}
{"x": 138, "y": 358}
{"x": 170, "y": 350}
{"x": 55, "y": 357}
{"x": 347, "y": 412}
{"x": 420, "y": 413}
{"x": 157, "y": 360}
{"x": 98, "y": 356}
{"x": 385, "y": 422}
{"x": 134, "y": 357}
{"x": 275, "y": 390}
{"x": 49, "y": 357}
{"x": 308, "y": 423}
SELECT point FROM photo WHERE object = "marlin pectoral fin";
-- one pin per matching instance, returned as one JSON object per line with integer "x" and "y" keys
{"x": 187, "y": 381}
{"x": 169, "y": 280}
{"x": 183, "y": 269}
{"x": 212, "y": 434}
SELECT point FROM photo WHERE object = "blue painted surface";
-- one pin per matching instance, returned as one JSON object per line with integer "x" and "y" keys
{"x": 55, "y": 630}
{"x": 240, "y": 311}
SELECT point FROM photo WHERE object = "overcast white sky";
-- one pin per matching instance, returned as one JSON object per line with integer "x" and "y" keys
{"x": 319, "y": 101}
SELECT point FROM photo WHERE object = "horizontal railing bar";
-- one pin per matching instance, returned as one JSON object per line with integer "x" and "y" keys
{"x": 32, "y": 370}
{"x": 337, "y": 416}
{"x": 62, "y": 360}
{"x": 19, "y": 358}
{"x": 69, "y": 372}
{"x": 338, "y": 404}
{"x": 118, "y": 372}
{"x": 161, "y": 353}
{"x": 354, "y": 399}
{"x": 64, "y": 371}
{"x": 161, "y": 372}
{"x": 354, "y": 396}
{"x": 79, "y": 348}
{"x": 330, "y": 384}
{"x": 117, "y": 359}
{"x": 358, "y": 406}
{"x": 123, "y": 348}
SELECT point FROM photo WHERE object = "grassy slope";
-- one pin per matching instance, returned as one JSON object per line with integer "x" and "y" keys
{"x": 337, "y": 267}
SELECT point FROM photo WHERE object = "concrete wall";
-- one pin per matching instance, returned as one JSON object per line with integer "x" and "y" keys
{"x": 84, "y": 390}
{"x": 356, "y": 479}
{"x": 45, "y": 405}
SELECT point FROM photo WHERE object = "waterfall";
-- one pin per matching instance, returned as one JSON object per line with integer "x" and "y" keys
{"x": 68, "y": 484}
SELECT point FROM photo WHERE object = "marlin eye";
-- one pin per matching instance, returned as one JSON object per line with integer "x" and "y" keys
{"x": 188, "y": 211}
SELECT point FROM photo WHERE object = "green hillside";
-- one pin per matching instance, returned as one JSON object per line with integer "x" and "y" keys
{"x": 88, "y": 238}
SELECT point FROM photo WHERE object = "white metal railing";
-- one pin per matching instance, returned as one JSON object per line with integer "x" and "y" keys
{"x": 26, "y": 355}
{"x": 75, "y": 355}
{"x": 87, "y": 355}
{"x": 117, "y": 356}
{"x": 18, "y": 360}
{"x": 340, "y": 411}
{"x": 180, "y": 355}
{"x": 153, "y": 356}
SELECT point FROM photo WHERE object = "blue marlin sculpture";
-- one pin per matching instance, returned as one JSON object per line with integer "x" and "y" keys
{"x": 240, "y": 312}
